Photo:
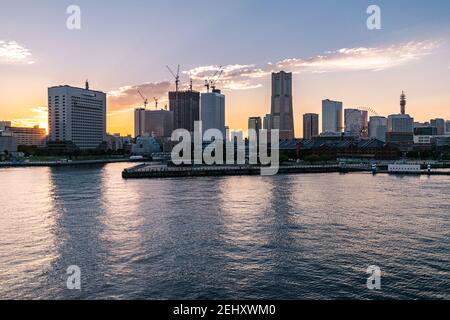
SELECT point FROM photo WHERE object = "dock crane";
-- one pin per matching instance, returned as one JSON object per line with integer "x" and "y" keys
{"x": 143, "y": 98}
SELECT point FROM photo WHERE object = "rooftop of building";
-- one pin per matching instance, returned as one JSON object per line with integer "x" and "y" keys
{"x": 78, "y": 88}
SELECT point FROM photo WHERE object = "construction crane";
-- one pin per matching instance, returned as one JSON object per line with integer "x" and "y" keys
{"x": 176, "y": 77}
{"x": 210, "y": 82}
{"x": 143, "y": 98}
{"x": 156, "y": 103}
{"x": 213, "y": 82}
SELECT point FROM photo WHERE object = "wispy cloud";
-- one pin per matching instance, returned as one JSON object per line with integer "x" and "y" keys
{"x": 250, "y": 76}
{"x": 371, "y": 59}
{"x": 345, "y": 59}
{"x": 13, "y": 53}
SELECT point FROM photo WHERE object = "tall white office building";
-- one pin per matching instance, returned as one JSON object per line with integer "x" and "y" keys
{"x": 77, "y": 116}
{"x": 331, "y": 116}
{"x": 212, "y": 111}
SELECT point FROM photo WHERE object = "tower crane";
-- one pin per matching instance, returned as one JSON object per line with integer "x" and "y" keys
{"x": 176, "y": 77}
{"x": 143, "y": 98}
{"x": 210, "y": 82}
{"x": 213, "y": 82}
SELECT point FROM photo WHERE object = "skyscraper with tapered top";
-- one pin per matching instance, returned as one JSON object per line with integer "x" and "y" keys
{"x": 282, "y": 109}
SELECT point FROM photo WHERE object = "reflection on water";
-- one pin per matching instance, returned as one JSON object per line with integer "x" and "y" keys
{"x": 287, "y": 237}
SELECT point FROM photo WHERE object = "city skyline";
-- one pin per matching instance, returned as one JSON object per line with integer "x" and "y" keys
{"x": 363, "y": 68}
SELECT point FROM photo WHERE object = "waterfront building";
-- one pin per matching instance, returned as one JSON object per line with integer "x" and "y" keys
{"x": 378, "y": 126}
{"x": 356, "y": 121}
{"x": 282, "y": 105}
{"x": 400, "y": 123}
{"x": 331, "y": 116}
{"x": 255, "y": 123}
{"x": 425, "y": 131}
{"x": 8, "y": 143}
{"x": 334, "y": 147}
{"x": 442, "y": 142}
{"x": 185, "y": 106}
{"x": 117, "y": 142}
{"x": 4, "y": 125}
{"x": 139, "y": 122}
{"x": 440, "y": 126}
{"x": 447, "y": 127}
{"x": 212, "y": 110}
{"x": 159, "y": 123}
{"x": 76, "y": 117}
{"x": 146, "y": 146}
{"x": 310, "y": 125}
{"x": 29, "y": 136}
{"x": 423, "y": 139}
{"x": 267, "y": 122}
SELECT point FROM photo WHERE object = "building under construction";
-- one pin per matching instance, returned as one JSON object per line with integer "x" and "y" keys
{"x": 185, "y": 106}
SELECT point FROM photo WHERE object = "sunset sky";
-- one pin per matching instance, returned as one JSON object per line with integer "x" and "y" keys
{"x": 125, "y": 46}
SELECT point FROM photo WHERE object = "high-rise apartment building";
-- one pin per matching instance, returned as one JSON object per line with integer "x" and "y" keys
{"x": 310, "y": 125}
{"x": 185, "y": 106}
{"x": 212, "y": 110}
{"x": 255, "y": 123}
{"x": 331, "y": 116}
{"x": 356, "y": 121}
{"x": 139, "y": 122}
{"x": 156, "y": 123}
{"x": 282, "y": 109}
{"x": 440, "y": 126}
{"x": 267, "y": 122}
{"x": 378, "y": 126}
{"x": 400, "y": 123}
{"x": 77, "y": 117}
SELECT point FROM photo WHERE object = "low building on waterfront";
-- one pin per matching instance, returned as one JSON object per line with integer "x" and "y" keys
{"x": 8, "y": 144}
{"x": 116, "y": 142}
{"x": 4, "y": 125}
{"x": 32, "y": 137}
{"x": 332, "y": 148}
{"x": 145, "y": 146}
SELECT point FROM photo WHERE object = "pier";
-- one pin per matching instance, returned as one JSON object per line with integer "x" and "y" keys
{"x": 162, "y": 171}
